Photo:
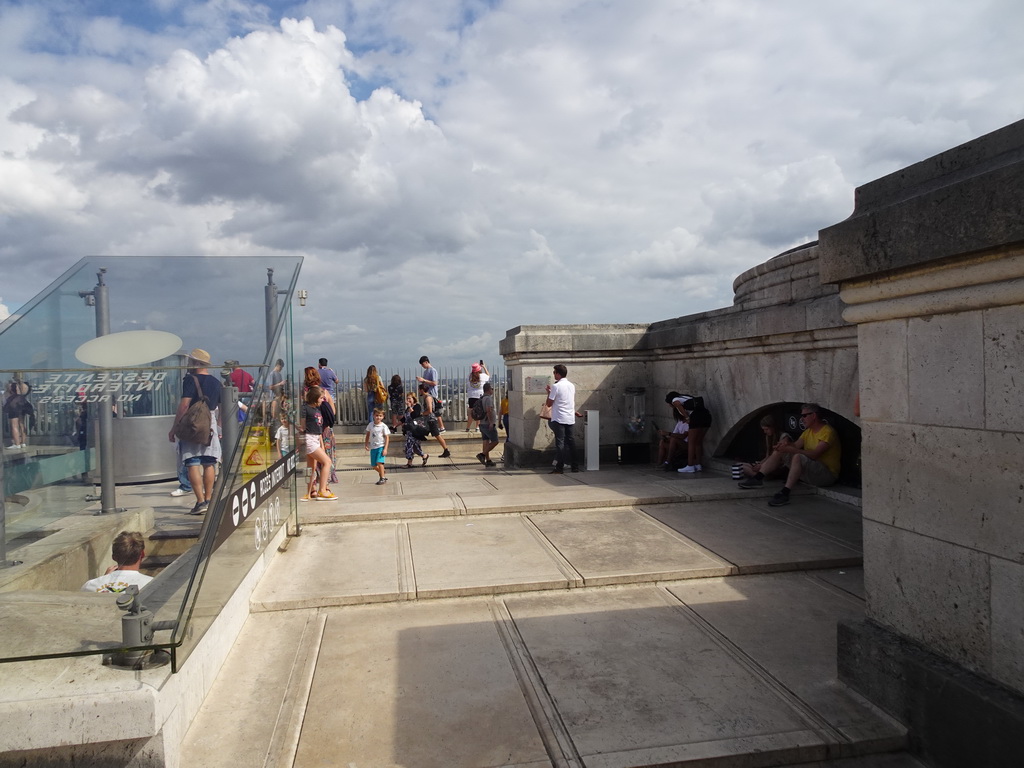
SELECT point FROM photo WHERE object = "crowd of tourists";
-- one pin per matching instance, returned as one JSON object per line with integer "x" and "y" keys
{"x": 417, "y": 415}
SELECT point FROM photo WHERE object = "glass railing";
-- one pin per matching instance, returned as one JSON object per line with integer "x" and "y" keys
{"x": 92, "y": 454}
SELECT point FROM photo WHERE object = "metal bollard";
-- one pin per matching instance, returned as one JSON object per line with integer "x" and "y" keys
{"x": 592, "y": 441}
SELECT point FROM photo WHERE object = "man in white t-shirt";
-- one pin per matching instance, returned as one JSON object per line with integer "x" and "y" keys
{"x": 128, "y": 550}
{"x": 562, "y": 401}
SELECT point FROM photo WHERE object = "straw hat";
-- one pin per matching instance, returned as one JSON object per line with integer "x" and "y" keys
{"x": 200, "y": 355}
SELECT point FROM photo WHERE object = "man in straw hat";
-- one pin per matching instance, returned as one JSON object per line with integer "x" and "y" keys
{"x": 200, "y": 460}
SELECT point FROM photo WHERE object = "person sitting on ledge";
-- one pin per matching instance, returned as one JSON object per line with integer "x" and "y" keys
{"x": 672, "y": 445}
{"x": 772, "y": 437}
{"x": 813, "y": 458}
{"x": 128, "y": 550}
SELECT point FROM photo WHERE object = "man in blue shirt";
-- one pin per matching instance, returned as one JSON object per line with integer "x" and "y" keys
{"x": 430, "y": 378}
{"x": 328, "y": 378}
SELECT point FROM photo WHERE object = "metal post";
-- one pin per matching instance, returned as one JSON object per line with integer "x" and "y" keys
{"x": 270, "y": 301}
{"x": 105, "y": 422}
{"x": 99, "y": 298}
{"x": 4, "y": 562}
{"x": 228, "y": 419}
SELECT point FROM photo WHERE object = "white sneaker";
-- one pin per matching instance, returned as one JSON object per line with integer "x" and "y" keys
{"x": 180, "y": 492}
{"x": 688, "y": 469}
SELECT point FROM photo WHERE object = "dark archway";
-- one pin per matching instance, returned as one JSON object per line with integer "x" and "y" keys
{"x": 745, "y": 442}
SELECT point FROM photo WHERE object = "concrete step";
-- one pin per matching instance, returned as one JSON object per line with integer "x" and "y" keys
{"x": 172, "y": 540}
{"x": 361, "y": 562}
{"x": 443, "y": 488}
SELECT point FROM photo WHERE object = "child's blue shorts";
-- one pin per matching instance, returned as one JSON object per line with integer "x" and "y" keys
{"x": 376, "y": 456}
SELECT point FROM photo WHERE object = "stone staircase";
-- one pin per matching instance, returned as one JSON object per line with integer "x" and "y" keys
{"x": 463, "y": 616}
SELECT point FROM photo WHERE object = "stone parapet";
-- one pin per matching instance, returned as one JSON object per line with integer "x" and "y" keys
{"x": 784, "y": 340}
{"x": 964, "y": 201}
{"x": 789, "y": 277}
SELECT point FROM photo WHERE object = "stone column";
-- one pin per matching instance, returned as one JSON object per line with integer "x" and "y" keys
{"x": 931, "y": 268}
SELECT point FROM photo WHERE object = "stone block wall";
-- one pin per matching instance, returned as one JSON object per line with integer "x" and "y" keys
{"x": 931, "y": 268}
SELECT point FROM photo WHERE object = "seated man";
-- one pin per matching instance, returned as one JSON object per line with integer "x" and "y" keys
{"x": 128, "y": 550}
{"x": 814, "y": 457}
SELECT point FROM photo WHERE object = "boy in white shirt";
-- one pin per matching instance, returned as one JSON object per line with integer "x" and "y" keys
{"x": 283, "y": 436}
{"x": 128, "y": 551}
{"x": 378, "y": 436}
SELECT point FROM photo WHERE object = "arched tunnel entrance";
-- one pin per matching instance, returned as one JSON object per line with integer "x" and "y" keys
{"x": 745, "y": 441}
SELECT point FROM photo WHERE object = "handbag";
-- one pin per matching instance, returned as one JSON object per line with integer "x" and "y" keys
{"x": 196, "y": 424}
{"x": 545, "y": 412}
{"x": 420, "y": 428}
{"x": 379, "y": 393}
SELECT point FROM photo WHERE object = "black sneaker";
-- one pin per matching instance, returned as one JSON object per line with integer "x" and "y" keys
{"x": 489, "y": 463}
{"x": 481, "y": 458}
{"x": 780, "y": 499}
{"x": 752, "y": 482}
{"x": 199, "y": 508}
{"x": 447, "y": 454}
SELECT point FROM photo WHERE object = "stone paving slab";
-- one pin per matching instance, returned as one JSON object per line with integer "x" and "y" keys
{"x": 396, "y": 507}
{"x": 754, "y": 540}
{"x": 838, "y": 521}
{"x": 623, "y": 546}
{"x": 426, "y": 685}
{"x": 336, "y": 565}
{"x": 568, "y": 497}
{"x": 456, "y": 558}
{"x": 637, "y": 682}
{"x": 847, "y": 579}
{"x": 250, "y": 689}
{"x": 802, "y": 611}
{"x": 708, "y": 486}
{"x": 462, "y": 555}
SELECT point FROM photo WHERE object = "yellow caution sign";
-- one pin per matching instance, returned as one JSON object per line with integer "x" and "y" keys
{"x": 257, "y": 452}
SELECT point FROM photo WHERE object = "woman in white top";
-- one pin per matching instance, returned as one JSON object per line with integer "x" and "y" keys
{"x": 478, "y": 376}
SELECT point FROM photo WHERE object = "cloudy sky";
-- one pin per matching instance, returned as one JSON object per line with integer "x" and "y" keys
{"x": 450, "y": 169}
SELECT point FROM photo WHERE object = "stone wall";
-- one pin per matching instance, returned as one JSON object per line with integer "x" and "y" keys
{"x": 783, "y": 341}
{"x": 931, "y": 266}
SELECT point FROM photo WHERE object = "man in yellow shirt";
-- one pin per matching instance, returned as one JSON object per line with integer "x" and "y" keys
{"x": 814, "y": 457}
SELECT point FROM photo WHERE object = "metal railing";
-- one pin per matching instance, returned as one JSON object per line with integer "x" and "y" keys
{"x": 453, "y": 384}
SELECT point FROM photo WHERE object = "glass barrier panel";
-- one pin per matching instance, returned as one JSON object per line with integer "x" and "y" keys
{"x": 61, "y": 413}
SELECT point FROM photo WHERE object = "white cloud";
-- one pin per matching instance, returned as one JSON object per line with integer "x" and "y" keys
{"x": 465, "y": 348}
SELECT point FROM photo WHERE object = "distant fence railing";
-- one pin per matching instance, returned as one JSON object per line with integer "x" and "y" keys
{"x": 452, "y": 388}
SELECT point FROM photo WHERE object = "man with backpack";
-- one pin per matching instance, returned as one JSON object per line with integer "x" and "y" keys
{"x": 197, "y": 426}
{"x": 484, "y": 413}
